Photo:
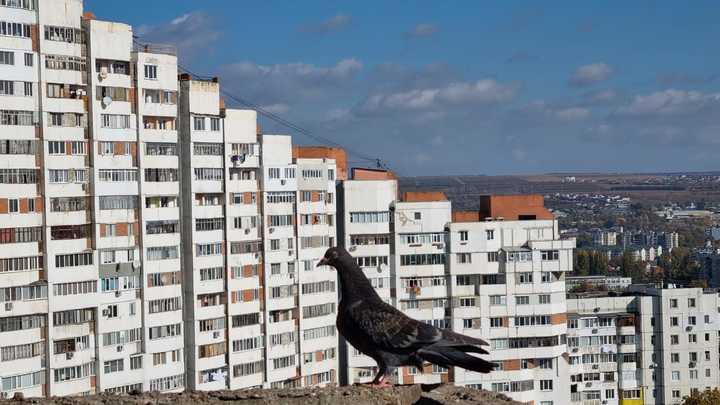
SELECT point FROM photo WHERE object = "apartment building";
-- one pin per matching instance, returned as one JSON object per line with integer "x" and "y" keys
{"x": 95, "y": 279}
{"x": 75, "y": 202}
{"x": 418, "y": 227}
{"x": 256, "y": 220}
{"x": 603, "y": 350}
{"x": 497, "y": 274}
{"x": 650, "y": 346}
{"x": 507, "y": 266}
{"x": 364, "y": 230}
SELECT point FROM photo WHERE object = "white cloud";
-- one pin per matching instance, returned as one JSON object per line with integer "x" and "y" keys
{"x": 343, "y": 69}
{"x": 485, "y": 91}
{"x": 192, "y": 33}
{"x": 589, "y": 74}
{"x": 670, "y": 102}
{"x": 572, "y": 113}
{"x": 278, "y": 108}
{"x": 333, "y": 24}
{"x": 422, "y": 31}
{"x": 288, "y": 83}
{"x": 518, "y": 154}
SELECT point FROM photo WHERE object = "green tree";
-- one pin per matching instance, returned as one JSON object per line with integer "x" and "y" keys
{"x": 582, "y": 263}
{"x": 707, "y": 397}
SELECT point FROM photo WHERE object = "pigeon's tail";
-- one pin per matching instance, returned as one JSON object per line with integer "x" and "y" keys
{"x": 456, "y": 356}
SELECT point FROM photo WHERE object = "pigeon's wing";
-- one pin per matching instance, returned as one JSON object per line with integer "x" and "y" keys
{"x": 391, "y": 330}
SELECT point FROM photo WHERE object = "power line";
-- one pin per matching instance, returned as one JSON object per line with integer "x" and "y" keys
{"x": 282, "y": 121}
{"x": 291, "y": 125}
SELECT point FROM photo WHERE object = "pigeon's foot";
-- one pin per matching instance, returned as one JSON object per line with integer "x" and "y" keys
{"x": 382, "y": 384}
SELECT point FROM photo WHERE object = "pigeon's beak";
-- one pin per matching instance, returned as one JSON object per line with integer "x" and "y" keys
{"x": 322, "y": 262}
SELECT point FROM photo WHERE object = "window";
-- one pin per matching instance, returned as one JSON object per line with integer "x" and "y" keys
{"x": 496, "y": 322}
{"x": 422, "y": 259}
{"x": 214, "y": 124}
{"x": 497, "y": 299}
{"x": 151, "y": 72}
{"x": 522, "y": 300}
{"x": 13, "y": 117}
{"x": 422, "y": 238}
{"x": 370, "y": 217}
{"x": 463, "y": 236}
{"x": 12, "y": 29}
{"x": 464, "y": 258}
{"x": 546, "y": 385}
{"x": 691, "y": 302}
{"x": 28, "y": 59}
{"x": 524, "y": 278}
{"x": 199, "y": 123}
{"x": 64, "y": 34}
{"x": 115, "y": 121}
{"x": 673, "y": 303}
{"x": 674, "y": 357}
{"x": 207, "y": 149}
{"x": 550, "y": 255}
{"x": 7, "y": 88}
{"x": 7, "y": 58}
{"x": 13, "y": 205}
{"x": 492, "y": 257}
{"x": 544, "y": 299}
{"x": 489, "y": 234}
{"x": 674, "y": 321}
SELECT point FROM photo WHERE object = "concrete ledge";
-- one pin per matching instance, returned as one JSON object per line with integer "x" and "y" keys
{"x": 354, "y": 395}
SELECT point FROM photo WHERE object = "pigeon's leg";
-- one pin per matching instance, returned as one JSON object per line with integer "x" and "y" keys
{"x": 381, "y": 378}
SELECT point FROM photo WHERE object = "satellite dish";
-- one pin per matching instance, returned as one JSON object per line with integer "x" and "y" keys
{"x": 107, "y": 100}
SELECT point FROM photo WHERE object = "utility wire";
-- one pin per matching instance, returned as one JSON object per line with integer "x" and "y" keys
{"x": 282, "y": 121}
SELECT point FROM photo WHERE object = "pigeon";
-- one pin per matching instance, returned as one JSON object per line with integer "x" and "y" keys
{"x": 391, "y": 338}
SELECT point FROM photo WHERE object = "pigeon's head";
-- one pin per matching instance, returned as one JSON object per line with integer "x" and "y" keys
{"x": 334, "y": 257}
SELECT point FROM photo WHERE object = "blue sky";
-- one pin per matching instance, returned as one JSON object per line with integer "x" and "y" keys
{"x": 465, "y": 87}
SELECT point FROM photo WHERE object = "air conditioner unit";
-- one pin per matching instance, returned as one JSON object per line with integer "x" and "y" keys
{"x": 8, "y": 306}
{"x": 692, "y": 364}
{"x": 440, "y": 246}
{"x": 282, "y": 182}
{"x": 247, "y": 231}
{"x": 105, "y": 312}
{"x": 594, "y": 331}
{"x": 103, "y": 72}
{"x": 69, "y": 355}
{"x": 575, "y": 350}
{"x": 84, "y": 186}
{"x": 291, "y": 252}
{"x": 119, "y": 348}
{"x": 352, "y": 248}
{"x": 688, "y": 328}
{"x": 216, "y": 335}
{"x": 271, "y": 230}
{"x": 136, "y": 264}
{"x": 118, "y": 293}
{"x": 595, "y": 366}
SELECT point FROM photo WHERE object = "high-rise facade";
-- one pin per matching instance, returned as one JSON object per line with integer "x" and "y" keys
{"x": 99, "y": 290}
{"x": 649, "y": 346}
{"x": 77, "y": 206}
{"x": 496, "y": 274}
